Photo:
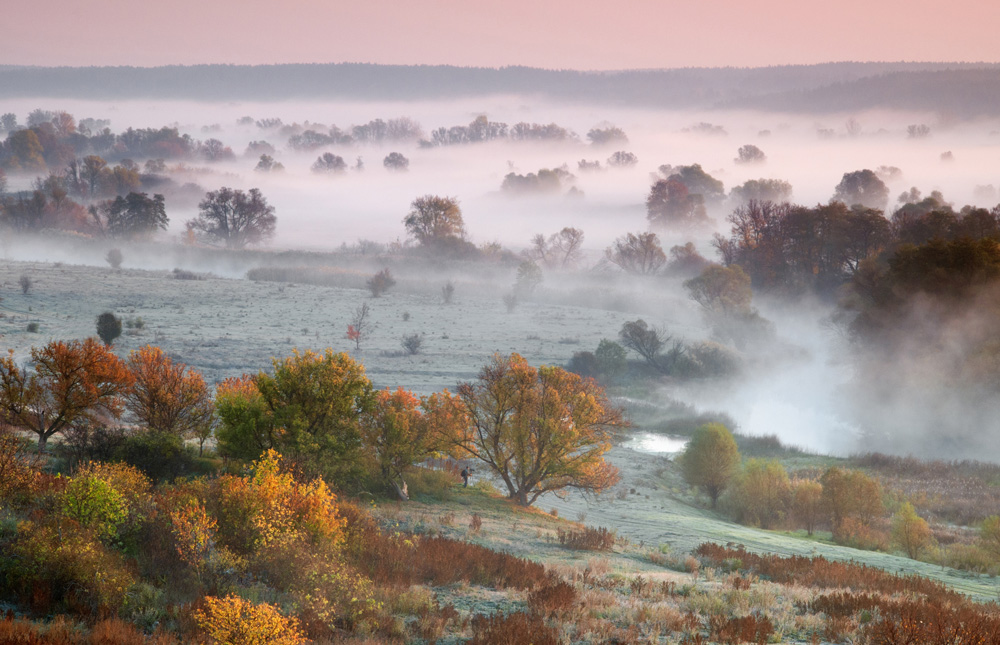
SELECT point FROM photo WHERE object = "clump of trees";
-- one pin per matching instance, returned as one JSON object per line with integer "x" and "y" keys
{"x": 606, "y": 136}
{"x": 544, "y": 181}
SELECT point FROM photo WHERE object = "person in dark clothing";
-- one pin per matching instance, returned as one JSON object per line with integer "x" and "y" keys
{"x": 465, "y": 475}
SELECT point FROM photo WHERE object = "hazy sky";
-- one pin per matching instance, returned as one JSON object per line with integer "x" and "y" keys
{"x": 578, "y": 34}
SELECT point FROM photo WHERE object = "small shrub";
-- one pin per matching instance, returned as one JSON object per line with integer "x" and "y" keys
{"x": 161, "y": 456}
{"x": 380, "y": 283}
{"x": 32, "y": 328}
{"x": 114, "y": 258}
{"x": 109, "y": 327}
{"x": 553, "y": 598}
{"x": 448, "y": 292}
{"x": 513, "y": 629}
{"x": 476, "y": 523}
{"x": 510, "y": 302}
{"x": 411, "y": 343}
{"x": 181, "y": 274}
{"x": 587, "y": 539}
{"x": 26, "y": 283}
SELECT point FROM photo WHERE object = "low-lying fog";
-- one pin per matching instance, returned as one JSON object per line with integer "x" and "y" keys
{"x": 799, "y": 400}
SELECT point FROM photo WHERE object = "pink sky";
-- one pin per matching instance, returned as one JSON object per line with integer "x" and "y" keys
{"x": 577, "y": 34}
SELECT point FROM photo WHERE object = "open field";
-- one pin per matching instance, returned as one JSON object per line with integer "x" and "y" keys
{"x": 224, "y": 327}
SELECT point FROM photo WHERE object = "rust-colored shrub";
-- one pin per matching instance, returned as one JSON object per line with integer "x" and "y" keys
{"x": 587, "y": 539}
{"x": 742, "y": 629}
{"x": 395, "y": 560}
{"x": 512, "y": 629}
{"x": 552, "y": 598}
{"x": 823, "y": 573}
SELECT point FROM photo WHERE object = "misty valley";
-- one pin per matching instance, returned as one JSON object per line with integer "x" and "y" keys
{"x": 499, "y": 366}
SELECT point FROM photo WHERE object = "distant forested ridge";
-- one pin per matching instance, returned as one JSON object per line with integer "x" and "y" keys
{"x": 963, "y": 89}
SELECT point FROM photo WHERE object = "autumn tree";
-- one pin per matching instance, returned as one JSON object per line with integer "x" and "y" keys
{"x": 910, "y": 532}
{"x": 69, "y": 383}
{"x": 166, "y": 396}
{"x": 671, "y": 205}
{"x": 850, "y": 495}
{"x": 234, "y": 218}
{"x": 989, "y": 536}
{"x": 639, "y": 254}
{"x": 760, "y": 494}
{"x": 807, "y": 503}
{"x": 402, "y": 430}
{"x": 725, "y": 295}
{"x": 92, "y": 168}
{"x": 318, "y": 401}
{"x": 434, "y": 221}
{"x": 538, "y": 430}
{"x": 711, "y": 460}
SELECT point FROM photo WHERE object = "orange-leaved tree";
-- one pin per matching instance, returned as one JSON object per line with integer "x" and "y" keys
{"x": 539, "y": 430}
{"x": 166, "y": 396}
{"x": 70, "y": 383}
{"x": 402, "y": 430}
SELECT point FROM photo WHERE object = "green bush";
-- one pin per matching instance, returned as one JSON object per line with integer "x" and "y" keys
{"x": 160, "y": 455}
{"x": 95, "y": 504}
{"x": 428, "y": 482}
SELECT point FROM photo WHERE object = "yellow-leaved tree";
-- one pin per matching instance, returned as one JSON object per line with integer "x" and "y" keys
{"x": 711, "y": 459}
{"x": 539, "y": 430}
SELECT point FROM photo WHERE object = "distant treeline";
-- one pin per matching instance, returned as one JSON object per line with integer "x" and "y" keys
{"x": 962, "y": 88}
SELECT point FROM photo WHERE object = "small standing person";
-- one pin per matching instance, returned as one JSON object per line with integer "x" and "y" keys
{"x": 465, "y": 476}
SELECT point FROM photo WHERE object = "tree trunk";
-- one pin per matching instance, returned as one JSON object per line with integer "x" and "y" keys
{"x": 402, "y": 491}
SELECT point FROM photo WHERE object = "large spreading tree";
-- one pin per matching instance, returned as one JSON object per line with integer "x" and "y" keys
{"x": 234, "y": 218}
{"x": 538, "y": 430}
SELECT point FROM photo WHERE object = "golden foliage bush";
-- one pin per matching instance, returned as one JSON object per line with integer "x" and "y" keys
{"x": 56, "y": 563}
{"x": 234, "y": 621}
